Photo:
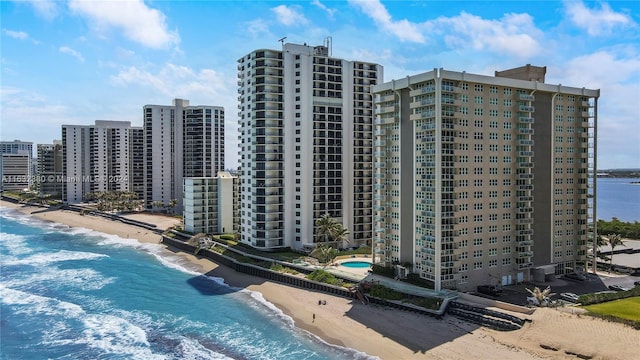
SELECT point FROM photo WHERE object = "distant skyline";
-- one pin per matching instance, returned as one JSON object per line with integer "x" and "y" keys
{"x": 74, "y": 62}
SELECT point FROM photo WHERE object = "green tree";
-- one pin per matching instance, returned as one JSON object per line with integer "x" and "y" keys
{"x": 324, "y": 253}
{"x": 324, "y": 226}
{"x": 339, "y": 233}
{"x": 615, "y": 240}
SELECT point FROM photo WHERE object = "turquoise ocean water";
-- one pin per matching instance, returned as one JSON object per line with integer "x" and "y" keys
{"x": 76, "y": 294}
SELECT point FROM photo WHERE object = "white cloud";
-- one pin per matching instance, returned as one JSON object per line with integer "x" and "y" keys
{"x": 403, "y": 29}
{"x": 618, "y": 79}
{"x": 134, "y": 18}
{"x": 257, "y": 27}
{"x": 70, "y": 51}
{"x": 514, "y": 34}
{"x": 596, "y": 22}
{"x": 47, "y": 9}
{"x": 176, "y": 81}
{"x": 322, "y": 6}
{"x": 288, "y": 15}
{"x": 20, "y": 35}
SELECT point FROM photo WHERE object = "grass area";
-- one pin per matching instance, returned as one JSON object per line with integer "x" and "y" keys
{"x": 628, "y": 308}
{"x": 626, "y": 311}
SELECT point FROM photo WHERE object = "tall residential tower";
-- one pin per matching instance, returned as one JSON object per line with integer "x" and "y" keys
{"x": 98, "y": 158}
{"x": 180, "y": 141}
{"x": 306, "y": 143}
{"x": 483, "y": 180}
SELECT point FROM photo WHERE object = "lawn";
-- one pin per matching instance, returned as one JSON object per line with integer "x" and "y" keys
{"x": 628, "y": 308}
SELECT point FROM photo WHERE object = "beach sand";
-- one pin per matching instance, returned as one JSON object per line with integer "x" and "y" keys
{"x": 394, "y": 334}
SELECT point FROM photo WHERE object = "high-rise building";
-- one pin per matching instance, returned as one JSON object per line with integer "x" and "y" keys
{"x": 180, "y": 141}
{"x": 483, "y": 180}
{"x": 305, "y": 144}
{"x": 16, "y": 158}
{"x": 211, "y": 204}
{"x": 49, "y": 172}
{"x": 97, "y": 158}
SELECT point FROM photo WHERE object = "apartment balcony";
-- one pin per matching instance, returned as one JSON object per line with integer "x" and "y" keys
{"x": 525, "y": 232}
{"x": 525, "y": 198}
{"x": 525, "y": 254}
{"x": 384, "y": 120}
{"x": 524, "y": 243}
{"x": 525, "y": 142}
{"x": 385, "y": 98}
{"x": 525, "y": 266}
{"x": 525, "y": 164}
{"x": 526, "y": 131}
{"x": 526, "y": 119}
{"x": 525, "y": 176}
{"x": 526, "y": 108}
{"x": 527, "y": 97}
{"x": 525, "y": 210}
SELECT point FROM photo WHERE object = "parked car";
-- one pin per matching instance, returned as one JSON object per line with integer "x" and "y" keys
{"x": 637, "y": 283}
{"x": 490, "y": 290}
{"x": 617, "y": 288}
{"x": 576, "y": 276}
{"x": 569, "y": 297}
{"x": 532, "y": 301}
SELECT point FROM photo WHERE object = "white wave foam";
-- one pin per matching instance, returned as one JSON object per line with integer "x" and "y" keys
{"x": 15, "y": 244}
{"x": 84, "y": 279}
{"x": 49, "y": 258}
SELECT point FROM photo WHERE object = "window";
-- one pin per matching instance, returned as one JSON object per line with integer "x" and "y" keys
{"x": 506, "y": 250}
{"x": 477, "y": 265}
{"x": 478, "y": 87}
{"x": 477, "y": 253}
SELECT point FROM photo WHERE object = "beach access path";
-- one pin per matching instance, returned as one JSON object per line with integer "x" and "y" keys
{"x": 390, "y": 333}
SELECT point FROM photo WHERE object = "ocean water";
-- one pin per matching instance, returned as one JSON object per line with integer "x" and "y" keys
{"x": 618, "y": 197}
{"x": 71, "y": 293}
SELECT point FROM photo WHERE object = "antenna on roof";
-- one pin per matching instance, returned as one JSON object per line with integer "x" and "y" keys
{"x": 282, "y": 40}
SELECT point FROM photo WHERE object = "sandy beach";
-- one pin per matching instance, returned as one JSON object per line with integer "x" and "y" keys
{"x": 389, "y": 333}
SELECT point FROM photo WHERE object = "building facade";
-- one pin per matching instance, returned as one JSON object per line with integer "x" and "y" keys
{"x": 16, "y": 158}
{"x": 97, "y": 158}
{"x": 180, "y": 141}
{"x": 211, "y": 204}
{"x": 306, "y": 139}
{"x": 49, "y": 174}
{"x": 483, "y": 180}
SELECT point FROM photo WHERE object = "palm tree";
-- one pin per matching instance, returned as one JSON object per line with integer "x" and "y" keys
{"x": 615, "y": 240}
{"x": 542, "y": 296}
{"x": 340, "y": 233}
{"x": 325, "y": 225}
{"x": 173, "y": 203}
{"x": 324, "y": 253}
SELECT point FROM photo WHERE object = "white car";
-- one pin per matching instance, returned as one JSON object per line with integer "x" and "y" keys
{"x": 569, "y": 297}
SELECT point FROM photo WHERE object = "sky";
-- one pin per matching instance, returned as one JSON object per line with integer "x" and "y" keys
{"x": 74, "y": 62}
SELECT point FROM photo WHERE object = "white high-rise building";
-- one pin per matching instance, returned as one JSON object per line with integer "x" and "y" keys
{"x": 306, "y": 145}
{"x": 211, "y": 204}
{"x": 180, "y": 141}
{"x": 96, "y": 158}
{"x": 484, "y": 180}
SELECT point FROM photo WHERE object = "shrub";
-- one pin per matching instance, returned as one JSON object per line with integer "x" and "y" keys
{"x": 427, "y": 302}
{"x": 383, "y": 270}
{"x": 227, "y": 237}
{"x": 415, "y": 279}
{"x": 383, "y": 292}
{"x": 596, "y": 298}
{"x": 324, "y": 277}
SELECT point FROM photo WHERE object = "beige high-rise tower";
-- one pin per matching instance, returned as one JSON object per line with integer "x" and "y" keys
{"x": 483, "y": 180}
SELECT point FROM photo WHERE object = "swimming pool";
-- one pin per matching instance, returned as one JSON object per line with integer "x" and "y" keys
{"x": 356, "y": 264}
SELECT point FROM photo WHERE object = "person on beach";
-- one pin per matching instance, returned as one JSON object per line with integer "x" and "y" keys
{"x": 314, "y": 317}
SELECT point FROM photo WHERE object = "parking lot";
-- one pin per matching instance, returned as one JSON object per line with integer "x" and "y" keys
{"x": 516, "y": 294}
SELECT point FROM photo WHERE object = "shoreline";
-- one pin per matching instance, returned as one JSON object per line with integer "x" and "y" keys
{"x": 382, "y": 332}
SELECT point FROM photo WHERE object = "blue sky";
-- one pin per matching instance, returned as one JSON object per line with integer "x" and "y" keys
{"x": 74, "y": 62}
